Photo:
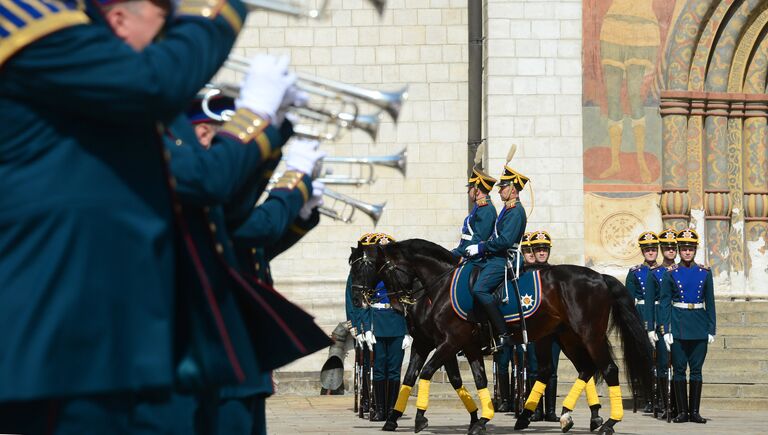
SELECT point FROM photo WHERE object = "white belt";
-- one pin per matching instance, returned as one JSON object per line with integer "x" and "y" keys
{"x": 642, "y": 302}
{"x": 381, "y": 306}
{"x": 466, "y": 237}
{"x": 688, "y": 306}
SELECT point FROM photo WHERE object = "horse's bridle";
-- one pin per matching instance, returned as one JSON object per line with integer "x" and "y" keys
{"x": 405, "y": 296}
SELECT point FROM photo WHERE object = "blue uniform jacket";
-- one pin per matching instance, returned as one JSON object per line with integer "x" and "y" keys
{"x": 652, "y": 302}
{"x": 508, "y": 231}
{"x": 354, "y": 314}
{"x": 640, "y": 282}
{"x": 86, "y": 225}
{"x": 383, "y": 322}
{"x": 478, "y": 226}
{"x": 688, "y": 285}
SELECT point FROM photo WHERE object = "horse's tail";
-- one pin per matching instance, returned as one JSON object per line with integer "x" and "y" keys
{"x": 638, "y": 354}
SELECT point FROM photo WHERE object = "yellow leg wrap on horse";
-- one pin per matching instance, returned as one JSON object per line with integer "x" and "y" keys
{"x": 402, "y": 398}
{"x": 592, "y": 397}
{"x": 422, "y": 400}
{"x": 486, "y": 404}
{"x": 536, "y": 392}
{"x": 466, "y": 399}
{"x": 617, "y": 408}
{"x": 573, "y": 395}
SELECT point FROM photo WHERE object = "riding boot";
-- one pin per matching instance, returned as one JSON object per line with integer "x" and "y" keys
{"x": 497, "y": 320}
{"x": 364, "y": 402}
{"x": 379, "y": 389}
{"x": 681, "y": 396}
{"x": 504, "y": 405}
{"x": 695, "y": 401}
{"x": 662, "y": 405}
{"x": 550, "y": 397}
{"x": 393, "y": 389}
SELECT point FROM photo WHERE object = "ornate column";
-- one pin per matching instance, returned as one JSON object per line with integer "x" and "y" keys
{"x": 675, "y": 203}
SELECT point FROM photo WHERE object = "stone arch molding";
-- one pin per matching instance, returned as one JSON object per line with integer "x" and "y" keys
{"x": 714, "y": 108}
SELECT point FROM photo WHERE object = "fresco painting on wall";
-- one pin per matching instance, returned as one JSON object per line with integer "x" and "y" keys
{"x": 623, "y": 47}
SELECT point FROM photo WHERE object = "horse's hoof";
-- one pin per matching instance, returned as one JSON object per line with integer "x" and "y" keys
{"x": 606, "y": 431}
{"x": 421, "y": 423}
{"x": 522, "y": 423}
{"x": 566, "y": 422}
{"x": 389, "y": 426}
{"x": 595, "y": 422}
{"x": 478, "y": 428}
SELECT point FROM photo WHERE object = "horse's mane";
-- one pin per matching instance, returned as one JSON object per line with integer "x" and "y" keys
{"x": 425, "y": 248}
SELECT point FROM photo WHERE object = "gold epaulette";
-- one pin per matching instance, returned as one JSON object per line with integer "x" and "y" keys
{"x": 482, "y": 202}
{"x": 704, "y": 266}
{"x": 635, "y": 267}
{"x": 17, "y": 36}
{"x": 291, "y": 180}
{"x": 211, "y": 9}
{"x": 245, "y": 126}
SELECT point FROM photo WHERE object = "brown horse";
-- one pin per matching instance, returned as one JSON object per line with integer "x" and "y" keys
{"x": 576, "y": 304}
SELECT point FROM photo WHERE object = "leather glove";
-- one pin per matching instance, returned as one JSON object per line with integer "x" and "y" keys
{"x": 471, "y": 250}
{"x": 370, "y": 339}
{"x": 668, "y": 340}
{"x": 303, "y": 155}
{"x": 359, "y": 339}
{"x": 710, "y": 338}
{"x": 265, "y": 85}
{"x": 407, "y": 340}
{"x": 653, "y": 337}
{"x": 316, "y": 200}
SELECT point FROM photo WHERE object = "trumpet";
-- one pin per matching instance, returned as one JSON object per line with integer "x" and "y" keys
{"x": 302, "y": 9}
{"x": 390, "y": 102}
{"x": 396, "y": 161}
{"x": 348, "y": 207}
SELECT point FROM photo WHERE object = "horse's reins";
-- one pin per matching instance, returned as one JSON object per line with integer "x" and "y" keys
{"x": 414, "y": 297}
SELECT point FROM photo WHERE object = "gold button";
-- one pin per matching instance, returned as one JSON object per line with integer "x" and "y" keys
{"x": 206, "y": 12}
{"x": 241, "y": 136}
{"x": 250, "y": 130}
{"x": 257, "y": 122}
{"x": 253, "y": 251}
{"x": 179, "y": 142}
{"x": 219, "y": 248}
{"x": 212, "y": 226}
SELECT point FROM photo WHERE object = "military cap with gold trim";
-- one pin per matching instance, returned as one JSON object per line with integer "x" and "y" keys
{"x": 540, "y": 238}
{"x": 376, "y": 239}
{"x": 510, "y": 176}
{"x": 648, "y": 239}
{"x": 668, "y": 237}
{"x": 687, "y": 237}
{"x": 481, "y": 180}
{"x": 525, "y": 243}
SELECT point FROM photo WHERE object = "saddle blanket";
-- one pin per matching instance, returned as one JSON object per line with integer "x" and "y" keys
{"x": 530, "y": 295}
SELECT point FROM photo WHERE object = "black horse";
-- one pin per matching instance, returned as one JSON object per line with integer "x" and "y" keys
{"x": 576, "y": 304}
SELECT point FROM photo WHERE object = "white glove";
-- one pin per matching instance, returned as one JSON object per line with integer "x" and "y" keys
{"x": 710, "y": 338}
{"x": 316, "y": 200}
{"x": 471, "y": 250}
{"x": 370, "y": 339}
{"x": 668, "y": 340}
{"x": 653, "y": 337}
{"x": 294, "y": 97}
{"x": 407, "y": 340}
{"x": 265, "y": 85}
{"x": 360, "y": 340}
{"x": 303, "y": 155}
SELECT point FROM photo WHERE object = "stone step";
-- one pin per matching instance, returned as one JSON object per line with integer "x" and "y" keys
{"x": 746, "y": 343}
{"x": 743, "y": 318}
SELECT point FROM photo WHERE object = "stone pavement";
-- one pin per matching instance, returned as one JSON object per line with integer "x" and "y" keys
{"x": 294, "y": 415}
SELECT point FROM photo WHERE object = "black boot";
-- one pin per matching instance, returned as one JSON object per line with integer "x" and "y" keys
{"x": 681, "y": 396}
{"x": 497, "y": 320}
{"x": 380, "y": 404}
{"x": 663, "y": 398}
{"x": 504, "y": 405}
{"x": 364, "y": 402}
{"x": 550, "y": 397}
{"x": 393, "y": 389}
{"x": 695, "y": 401}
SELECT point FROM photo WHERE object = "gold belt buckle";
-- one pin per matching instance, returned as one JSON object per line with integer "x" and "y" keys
{"x": 690, "y": 306}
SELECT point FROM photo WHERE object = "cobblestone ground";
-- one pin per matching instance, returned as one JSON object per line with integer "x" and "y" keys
{"x": 291, "y": 415}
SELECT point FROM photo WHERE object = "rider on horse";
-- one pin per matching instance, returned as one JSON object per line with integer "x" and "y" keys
{"x": 478, "y": 225}
{"x": 507, "y": 234}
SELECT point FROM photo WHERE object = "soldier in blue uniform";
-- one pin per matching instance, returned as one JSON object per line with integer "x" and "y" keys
{"x": 640, "y": 282}
{"x": 87, "y": 272}
{"x": 668, "y": 248}
{"x": 541, "y": 243}
{"x": 478, "y": 225}
{"x": 688, "y": 320}
{"x": 507, "y": 234}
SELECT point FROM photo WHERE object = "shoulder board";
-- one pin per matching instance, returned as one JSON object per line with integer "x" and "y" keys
{"x": 482, "y": 202}
{"x": 635, "y": 267}
{"x": 703, "y": 266}
{"x": 24, "y": 22}
{"x": 673, "y": 267}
